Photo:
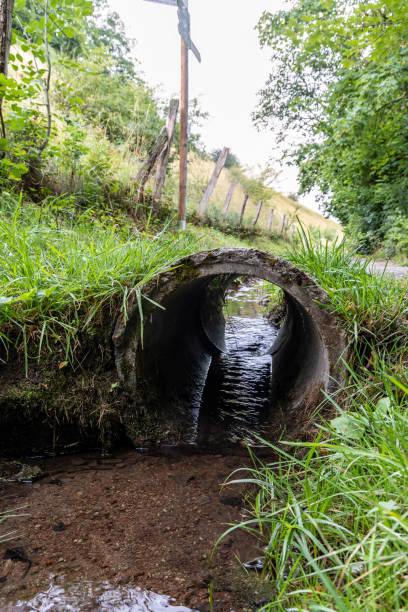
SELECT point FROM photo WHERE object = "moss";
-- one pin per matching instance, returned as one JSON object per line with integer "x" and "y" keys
{"x": 54, "y": 408}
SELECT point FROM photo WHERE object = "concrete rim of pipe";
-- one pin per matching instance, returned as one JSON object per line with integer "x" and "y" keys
{"x": 180, "y": 336}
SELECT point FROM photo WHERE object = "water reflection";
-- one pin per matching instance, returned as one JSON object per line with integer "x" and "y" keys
{"x": 102, "y": 597}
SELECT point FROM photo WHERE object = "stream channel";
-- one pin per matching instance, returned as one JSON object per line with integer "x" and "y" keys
{"x": 110, "y": 533}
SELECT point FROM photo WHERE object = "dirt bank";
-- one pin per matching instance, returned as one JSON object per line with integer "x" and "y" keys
{"x": 132, "y": 520}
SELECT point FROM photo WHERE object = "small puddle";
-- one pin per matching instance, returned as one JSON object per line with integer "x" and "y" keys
{"x": 235, "y": 404}
{"x": 90, "y": 596}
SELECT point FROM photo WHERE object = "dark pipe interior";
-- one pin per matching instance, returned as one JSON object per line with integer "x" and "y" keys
{"x": 180, "y": 341}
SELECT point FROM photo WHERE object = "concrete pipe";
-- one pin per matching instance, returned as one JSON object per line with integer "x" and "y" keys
{"x": 163, "y": 362}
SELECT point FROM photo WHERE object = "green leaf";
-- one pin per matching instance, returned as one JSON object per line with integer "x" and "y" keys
{"x": 347, "y": 425}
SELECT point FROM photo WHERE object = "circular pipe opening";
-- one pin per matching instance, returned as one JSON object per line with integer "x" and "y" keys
{"x": 165, "y": 371}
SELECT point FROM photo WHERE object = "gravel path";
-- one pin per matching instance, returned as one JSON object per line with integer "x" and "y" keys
{"x": 390, "y": 268}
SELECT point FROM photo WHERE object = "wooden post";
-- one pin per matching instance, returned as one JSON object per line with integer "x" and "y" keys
{"x": 258, "y": 212}
{"x": 165, "y": 154}
{"x": 229, "y": 196}
{"x": 183, "y": 134}
{"x": 283, "y": 225}
{"x": 146, "y": 169}
{"x": 270, "y": 219}
{"x": 213, "y": 180}
{"x": 244, "y": 203}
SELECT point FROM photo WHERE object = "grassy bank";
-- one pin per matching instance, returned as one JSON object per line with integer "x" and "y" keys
{"x": 60, "y": 269}
{"x": 331, "y": 514}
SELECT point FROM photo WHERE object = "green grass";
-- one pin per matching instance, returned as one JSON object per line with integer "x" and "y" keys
{"x": 59, "y": 271}
{"x": 373, "y": 308}
{"x": 331, "y": 514}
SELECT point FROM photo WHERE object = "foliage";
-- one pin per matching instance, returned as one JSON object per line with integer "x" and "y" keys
{"x": 26, "y": 128}
{"x": 396, "y": 238}
{"x": 339, "y": 79}
{"x": 125, "y": 108}
{"x": 253, "y": 186}
{"x": 231, "y": 161}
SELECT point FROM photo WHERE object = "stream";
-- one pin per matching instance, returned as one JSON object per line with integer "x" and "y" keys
{"x": 111, "y": 533}
{"x": 235, "y": 404}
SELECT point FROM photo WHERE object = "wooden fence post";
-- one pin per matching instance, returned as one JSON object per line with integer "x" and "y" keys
{"x": 164, "y": 155}
{"x": 258, "y": 212}
{"x": 283, "y": 225}
{"x": 270, "y": 219}
{"x": 229, "y": 196}
{"x": 146, "y": 169}
{"x": 244, "y": 203}
{"x": 213, "y": 180}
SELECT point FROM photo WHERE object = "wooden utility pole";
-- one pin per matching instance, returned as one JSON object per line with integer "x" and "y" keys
{"x": 213, "y": 180}
{"x": 244, "y": 203}
{"x": 183, "y": 135}
{"x": 270, "y": 219}
{"x": 258, "y": 212}
{"x": 164, "y": 155}
{"x": 186, "y": 44}
{"x": 229, "y": 197}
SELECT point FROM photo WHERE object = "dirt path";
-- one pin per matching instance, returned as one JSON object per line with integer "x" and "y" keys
{"x": 132, "y": 520}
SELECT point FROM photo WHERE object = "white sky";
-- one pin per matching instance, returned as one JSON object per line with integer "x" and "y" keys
{"x": 232, "y": 71}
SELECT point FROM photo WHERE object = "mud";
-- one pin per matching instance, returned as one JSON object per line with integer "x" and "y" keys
{"x": 134, "y": 521}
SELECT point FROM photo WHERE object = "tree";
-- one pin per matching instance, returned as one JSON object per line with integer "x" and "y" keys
{"x": 340, "y": 82}
{"x": 6, "y": 18}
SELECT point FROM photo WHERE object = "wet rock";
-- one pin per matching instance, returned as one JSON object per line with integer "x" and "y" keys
{"x": 256, "y": 564}
{"x": 29, "y": 473}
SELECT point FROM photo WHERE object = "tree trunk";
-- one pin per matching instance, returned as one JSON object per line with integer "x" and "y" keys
{"x": 165, "y": 154}
{"x": 213, "y": 180}
{"x": 6, "y": 18}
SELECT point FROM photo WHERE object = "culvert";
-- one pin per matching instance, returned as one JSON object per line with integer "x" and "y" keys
{"x": 163, "y": 362}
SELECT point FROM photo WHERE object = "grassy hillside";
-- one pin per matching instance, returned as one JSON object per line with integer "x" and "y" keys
{"x": 199, "y": 174}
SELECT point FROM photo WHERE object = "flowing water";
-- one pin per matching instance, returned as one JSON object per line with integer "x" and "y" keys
{"x": 235, "y": 404}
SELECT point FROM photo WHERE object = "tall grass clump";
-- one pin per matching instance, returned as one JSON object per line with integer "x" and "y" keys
{"x": 331, "y": 514}
{"x": 373, "y": 307}
{"x": 59, "y": 270}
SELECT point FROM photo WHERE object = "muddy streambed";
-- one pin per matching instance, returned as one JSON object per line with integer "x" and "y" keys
{"x": 134, "y": 531}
